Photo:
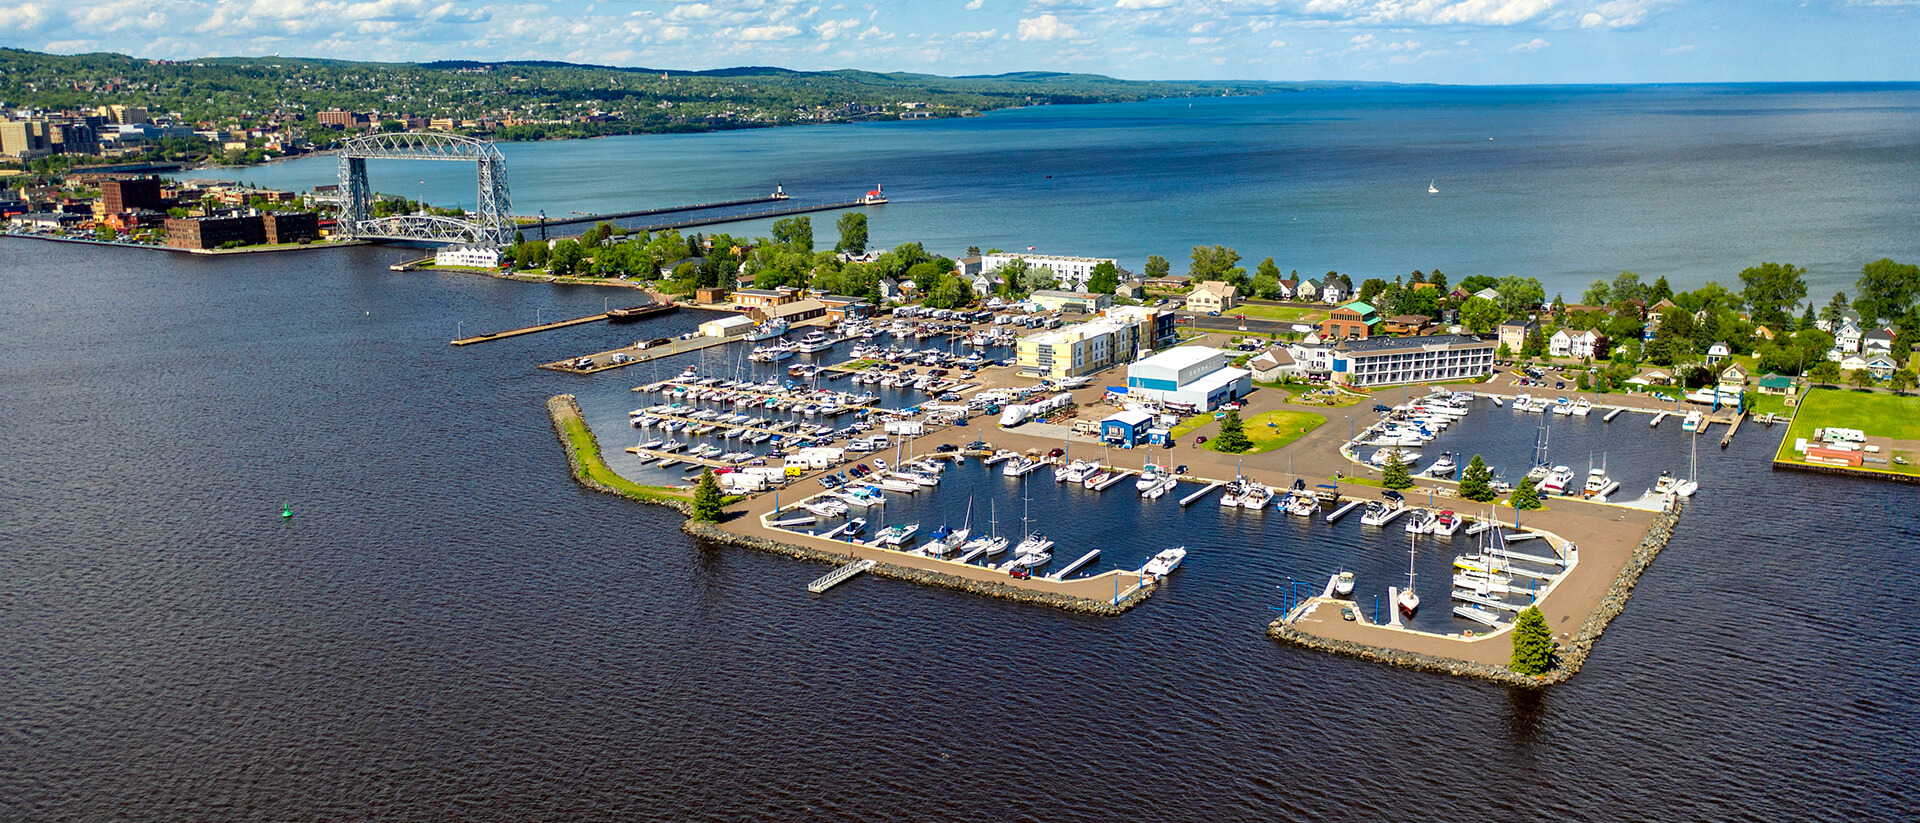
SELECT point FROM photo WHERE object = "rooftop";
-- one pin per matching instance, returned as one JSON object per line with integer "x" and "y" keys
{"x": 1374, "y": 345}
{"x": 1180, "y": 357}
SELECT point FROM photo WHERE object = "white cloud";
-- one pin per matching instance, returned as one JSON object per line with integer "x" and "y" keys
{"x": 1680, "y": 49}
{"x": 829, "y": 29}
{"x": 1046, "y": 27}
{"x": 975, "y": 5}
{"x": 24, "y": 17}
{"x": 1533, "y": 45}
{"x": 1145, "y": 4}
{"x": 759, "y": 34}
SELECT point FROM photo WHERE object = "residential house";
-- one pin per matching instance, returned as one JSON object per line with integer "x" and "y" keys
{"x": 1312, "y": 356}
{"x": 1213, "y": 295}
{"x": 1171, "y": 281}
{"x": 1289, "y": 288}
{"x": 1718, "y": 352}
{"x": 1133, "y": 289}
{"x": 1273, "y": 365}
{"x": 1846, "y": 336}
{"x": 1882, "y": 366}
{"x": 1763, "y": 332}
{"x": 1406, "y": 324}
{"x": 1332, "y": 291}
{"x": 1776, "y": 384}
{"x": 1880, "y": 340}
{"x": 1355, "y": 320}
{"x": 1305, "y": 291}
{"x": 1561, "y": 343}
{"x": 1490, "y": 293}
{"x": 890, "y": 289}
{"x": 1514, "y": 334}
{"x": 1852, "y": 362}
{"x": 1733, "y": 377}
{"x": 1589, "y": 344}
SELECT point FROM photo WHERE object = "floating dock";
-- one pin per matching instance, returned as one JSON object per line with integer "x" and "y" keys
{"x": 1338, "y": 513}
{"x": 1070, "y": 567}
{"x": 1611, "y": 415}
{"x": 1470, "y": 597}
{"x": 1117, "y": 476}
{"x": 1184, "y": 501}
{"x": 839, "y": 575}
{"x": 1655, "y": 422}
{"x": 1481, "y": 616}
{"x": 1534, "y": 558}
{"x": 502, "y": 335}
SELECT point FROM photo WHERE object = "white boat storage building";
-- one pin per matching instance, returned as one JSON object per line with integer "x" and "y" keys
{"x": 730, "y": 326}
{"x": 1191, "y": 376}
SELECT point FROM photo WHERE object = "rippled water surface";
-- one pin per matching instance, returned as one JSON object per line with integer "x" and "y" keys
{"x": 449, "y": 628}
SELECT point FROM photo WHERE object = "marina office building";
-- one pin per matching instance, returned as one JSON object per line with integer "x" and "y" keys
{"x": 1383, "y": 361}
{"x": 1195, "y": 377}
{"x": 1084, "y": 348}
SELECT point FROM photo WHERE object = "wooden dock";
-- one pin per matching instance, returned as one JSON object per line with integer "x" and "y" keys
{"x": 1732, "y": 428}
{"x": 502, "y": 335}
{"x": 1184, "y": 501}
{"x": 635, "y": 354}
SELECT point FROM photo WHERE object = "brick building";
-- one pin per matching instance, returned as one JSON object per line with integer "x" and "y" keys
{"x": 214, "y": 232}
{"x": 290, "y": 226}
{"x": 127, "y": 195}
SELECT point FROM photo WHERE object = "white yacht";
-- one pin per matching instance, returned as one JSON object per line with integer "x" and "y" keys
{"x": 1559, "y": 480}
{"x": 1034, "y": 544}
{"x": 767, "y": 331}
{"x": 1073, "y": 472}
{"x": 1582, "y": 407}
{"x": 1420, "y": 522}
{"x": 1150, "y": 477}
{"x": 770, "y": 354}
{"x": 1165, "y": 562}
{"x": 1692, "y": 421}
{"x": 1446, "y": 523}
{"x": 1443, "y": 467}
{"x": 1343, "y": 584}
{"x": 814, "y": 341}
{"x": 1256, "y": 497}
{"x": 1599, "y": 484}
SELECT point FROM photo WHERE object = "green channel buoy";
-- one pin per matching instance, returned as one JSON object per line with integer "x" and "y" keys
{"x": 286, "y": 512}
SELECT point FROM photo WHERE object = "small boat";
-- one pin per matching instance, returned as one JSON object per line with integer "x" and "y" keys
{"x": 1582, "y": 407}
{"x": 1443, "y": 467}
{"x": 1343, "y": 584}
{"x": 1025, "y": 563}
{"x": 1692, "y": 421}
{"x": 1099, "y": 475}
{"x": 826, "y": 507}
{"x": 1431, "y": 188}
{"x": 1256, "y": 496}
{"x": 855, "y": 527}
{"x": 896, "y": 534}
{"x": 1165, "y": 484}
{"x": 1382, "y": 512}
{"x": 1446, "y": 523}
{"x": 1665, "y": 484}
{"x": 1033, "y": 544}
{"x": 1230, "y": 494}
{"x": 1302, "y": 504}
{"x": 1020, "y": 466}
{"x": 1165, "y": 562}
{"x": 1420, "y": 522}
{"x": 1563, "y": 406}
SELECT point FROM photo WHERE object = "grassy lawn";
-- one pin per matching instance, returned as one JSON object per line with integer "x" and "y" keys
{"x": 856, "y": 365}
{"x": 1285, "y": 314}
{"x": 1877, "y": 413}
{"x": 1274, "y": 429}
{"x": 1313, "y": 395}
{"x": 1187, "y": 425}
{"x": 1769, "y": 403}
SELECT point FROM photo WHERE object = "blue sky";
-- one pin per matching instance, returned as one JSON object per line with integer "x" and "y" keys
{"x": 1425, "y": 41}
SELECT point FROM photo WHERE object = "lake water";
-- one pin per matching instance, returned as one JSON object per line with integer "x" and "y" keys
{"x": 1566, "y": 184}
{"x": 450, "y": 628}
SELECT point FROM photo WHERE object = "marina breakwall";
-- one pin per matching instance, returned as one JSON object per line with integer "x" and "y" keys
{"x": 564, "y": 408}
{"x": 1571, "y": 656}
{"x": 1846, "y": 471}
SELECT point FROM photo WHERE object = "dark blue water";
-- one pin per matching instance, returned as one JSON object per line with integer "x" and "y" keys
{"x": 1567, "y": 184}
{"x": 450, "y": 628}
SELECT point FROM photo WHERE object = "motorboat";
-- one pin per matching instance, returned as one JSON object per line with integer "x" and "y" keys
{"x": 1381, "y": 457}
{"x": 1256, "y": 496}
{"x": 1150, "y": 477}
{"x": 1563, "y": 406}
{"x": 1665, "y": 484}
{"x": 770, "y": 354}
{"x": 1230, "y": 494}
{"x": 1443, "y": 467}
{"x": 1026, "y": 563}
{"x": 1302, "y": 504}
{"x": 1383, "y": 511}
{"x": 896, "y": 534}
{"x": 1097, "y": 476}
{"x": 814, "y": 341}
{"x": 1073, "y": 472}
{"x": 766, "y": 331}
{"x": 1343, "y": 584}
{"x": 1420, "y": 522}
{"x": 1599, "y": 484}
{"x": 1582, "y": 407}
{"x": 1162, "y": 486}
{"x": 1446, "y": 523}
{"x": 1692, "y": 421}
{"x": 1020, "y": 466}
{"x": 1559, "y": 480}
{"x": 826, "y": 507}
{"x": 1165, "y": 562}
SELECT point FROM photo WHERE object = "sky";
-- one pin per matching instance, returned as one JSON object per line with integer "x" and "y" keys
{"x": 1411, "y": 41}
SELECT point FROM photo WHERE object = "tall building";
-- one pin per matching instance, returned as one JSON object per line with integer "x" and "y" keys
{"x": 1072, "y": 272}
{"x": 214, "y": 232}
{"x": 25, "y": 139}
{"x": 1084, "y": 348}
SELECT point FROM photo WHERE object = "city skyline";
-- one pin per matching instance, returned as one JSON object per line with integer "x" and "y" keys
{"x": 1412, "y": 41}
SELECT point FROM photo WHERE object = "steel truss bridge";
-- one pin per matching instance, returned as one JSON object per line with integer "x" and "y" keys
{"x": 492, "y": 223}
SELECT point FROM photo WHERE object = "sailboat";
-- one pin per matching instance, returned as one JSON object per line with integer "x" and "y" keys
{"x": 1409, "y": 602}
{"x": 1431, "y": 189}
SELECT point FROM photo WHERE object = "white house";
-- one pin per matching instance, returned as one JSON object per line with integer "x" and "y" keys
{"x": 1332, "y": 292}
{"x": 1288, "y": 288}
{"x": 1880, "y": 339}
{"x": 1072, "y": 272}
{"x": 1882, "y": 366}
{"x": 478, "y": 257}
{"x": 1718, "y": 352}
{"x": 1847, "y": 335}
{"x": 1587, "y": 343}
{"x": 1488, "y": 293}
{"x": 1852, "y": 362}
{"x": 1273, "y": 364}
{"x": 1560, "y": 344}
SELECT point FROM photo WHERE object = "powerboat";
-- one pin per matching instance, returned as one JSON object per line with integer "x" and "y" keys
{"x": 1599, "y": 484}
{"x": 1149, "y": 477}
{"x": 1443, "y": 467}
{"x": 1582, "y": 407}
{"x": 1446, "y": 523}
{"x": 895, "y": 535}
{"x": 1026, "y": 563}
{"x": 1559, "y": 480}
{"x": 1256, "y": 497}
{"x": 1420, "y": 522}
{"x": 1343, "y": 584}
{"x": 770, "y": 354}
{"x": 765, "y": 331}
{"x": 1302, "y": 504}
{"x": 814, "y": 341}
{"x": 1692, "y": 421}
{"x": 1073, "y": 472}
{"x": 1165, "y": 562}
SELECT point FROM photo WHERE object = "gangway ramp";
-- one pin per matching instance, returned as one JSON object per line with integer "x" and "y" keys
{"x": 839, "y": 575}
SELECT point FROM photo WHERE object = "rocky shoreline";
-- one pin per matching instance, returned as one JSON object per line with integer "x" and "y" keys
{"x": 561, "y": 407}
{"x": 1572, "y": 656}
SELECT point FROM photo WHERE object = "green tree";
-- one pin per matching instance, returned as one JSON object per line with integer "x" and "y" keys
{"x": 1013, "y": 277}
{"x": 1476, "y": 483}
{"x": 1659, "y": 291}
{"x": 1825, "y": 371}
{"x": 1526, "y": 496}
{"x": 1860, "y": 378}
{"x": 1597, "y": 294}
{"x": 1369, "y": 289}
{"x": 1886, "y": 289}
{"x": 1626, "y": 286}
{"x": 1836, "y": 309}
{"x": 1771, "y": 290}
{"x": 1532, "y": 643}
{"x": 1104, "y": 278}
{"x": 1807, "y": 318}
{"x": 707, "y": 501}
{"x": 796, "y": 232}
{"x": 853, "y": 233}
{"x": 1477, "y": 282}
{"x": 1901, "y": 381}
{"x": 1520, "y": 295}
{"x": 566, "y": 258}
{"x": 1232, "y": 438}
{"x": 952, "y": 291}
{"x": 1158, "y": 266}
{"x": 1267, "y": 269}
{"x": 1212, "y": 262}
{"x": 1481, "y": 315}
{"x": 1394, "y": 474}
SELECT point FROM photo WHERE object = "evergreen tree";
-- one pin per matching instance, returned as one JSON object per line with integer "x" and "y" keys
{"x": 1232, "y": 438}
{"x": 1532, "y": 643}
{"x": 1525, "y": 496}
{"x": 1476, "y": 483}
{"x": 1394, "y": 474}
{"x": 1157, "y": 266}
{"x": 706, "y": 499}
{"x": 1806, "y": 318}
